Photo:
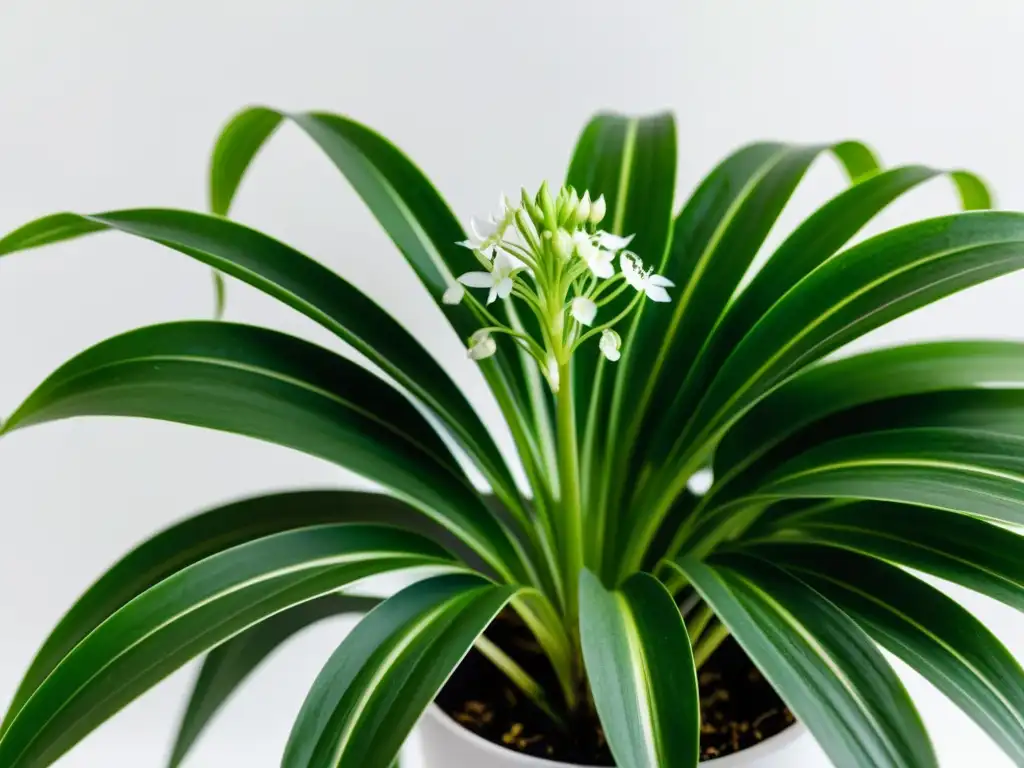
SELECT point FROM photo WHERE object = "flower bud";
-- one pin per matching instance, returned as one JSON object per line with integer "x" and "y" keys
{"x": 562, "y": 244}
{"x": 583, "y": 310}
{"x": 597, "y": 210}
{"x": 547, "y": 206}
{"x": 481, "y": 345}
{"x": 583, "y": 209}
{"x": 453, "y": 295}
{"x": 609, "y": 345}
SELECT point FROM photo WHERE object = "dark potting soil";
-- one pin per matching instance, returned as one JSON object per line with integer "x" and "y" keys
{"x": 739, "y": 708}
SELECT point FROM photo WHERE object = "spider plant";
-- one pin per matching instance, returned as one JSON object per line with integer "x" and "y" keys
{"x": 631, "y": 347}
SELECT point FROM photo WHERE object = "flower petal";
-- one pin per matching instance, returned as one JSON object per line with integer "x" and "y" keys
{"x": 602, "y": 268}
{"x": 609, "y": 345}
{"x": 482, "y": 229}
{"x": 492, "y": 294}
{"x": 477, "y": 279}
{"x": 662, "y": 282}
{"x": 657, "y": 293}
{"x": 584, "y": 310}
{"x": 611, "y": 242}
{"x": 504, "y": 287}
{"x": 453, "y": 295}
{"x": 631, "y": 267}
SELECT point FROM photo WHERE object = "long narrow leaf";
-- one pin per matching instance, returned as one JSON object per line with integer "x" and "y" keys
{"x": 190, "y": 612}
{"x": 641, "y": 672}
{"x": 926, "y": 629}
{"x": 823, "y": 665}
{"x": 383, "y": 676}
{"x": 397, "y": 193}
{"x": 983, "y": 557}
{"x": 302, "y": 284}
{"x": 264, "y": 384}
{"x": 206, "y": 534}
{"x": 856, "y": 291}
{"x": 229, "y": 665}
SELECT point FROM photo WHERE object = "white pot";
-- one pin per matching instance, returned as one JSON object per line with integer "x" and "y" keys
{"x": 446, "y": 744}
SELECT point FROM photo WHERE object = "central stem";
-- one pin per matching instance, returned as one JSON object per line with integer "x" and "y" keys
{"x": 569, "y": 484}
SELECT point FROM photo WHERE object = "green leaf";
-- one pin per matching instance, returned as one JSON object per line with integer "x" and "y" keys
{"x": 822, "y": 664}
{"x": 831, "y": 387}
{"x": 856, "y": 291}
{"x": 714, "y": 241}
{"x": 962, "y": 549}
{"x": 304, "y": 285}
{"x": 206, "y": 534}
{"x": 816, "y": 240}
{"x": 383, "y": 676}
{"x": 632, "y": 162}
{"x": 274, "y": 387}
{"x": 926, "y": 629}
{"x": 640, "y": 667}
{"x": 398, "y": 194}
{"x": 190, "y": 612}
{"x": 227, "y": 666}
{"x": 975, "y": 472}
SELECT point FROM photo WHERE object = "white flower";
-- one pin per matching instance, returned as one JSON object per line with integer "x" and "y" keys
{"x": 584, "y": 310}
{"x": 597, "y": 210}
{"x": 485, "y": 233}
{"x": 498, "y": 280}
{"x": 653, "y": 285}
{"x": 611, "y": 242}
{"x": 598, "y": 259}
{"x": 700, "y": 482}
{"x": 609, "y": 344}
{"x": 481, "y": 345}
{"x": 454, "y": 294}
{"x": 583, "y": 209}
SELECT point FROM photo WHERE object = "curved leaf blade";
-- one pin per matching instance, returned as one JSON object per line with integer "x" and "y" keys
{"x": 821, "y": 663}
{"x": 854, "y": 292}
{"x": 227, "y": 666}
{"x": 303, "y": 284}
{"x": 194, "y": 610}
{"x": 274, "y": 387}
{"x": 962, "y": 549}
{"x": 641, "y": 671}
{"x": 828, "y": 388}
{"x": 919, "y": 624}
{"x": 383, "y": 676}
{"x": 206, "y": 534}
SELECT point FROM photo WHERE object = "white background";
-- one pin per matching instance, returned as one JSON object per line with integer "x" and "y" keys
{"x": 115, "y": 103}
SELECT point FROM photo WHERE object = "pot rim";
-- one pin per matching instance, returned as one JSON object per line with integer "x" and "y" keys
{"x": 772, "y": 744}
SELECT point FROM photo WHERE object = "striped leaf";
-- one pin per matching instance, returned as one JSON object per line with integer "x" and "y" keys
{"x": 962, "y": 549}
{"x": 304, "y": 285}
{"x": 641, "y": 672}
{"x": 274, "y": 387}
{"x": 229, "y": 665}
{"x": 386, "y": 672}
{"x": 190, "y": 612}
{"x": 926, "y": 629}
{"x": 822, "y": 664}
{"x": 206, "y": 534}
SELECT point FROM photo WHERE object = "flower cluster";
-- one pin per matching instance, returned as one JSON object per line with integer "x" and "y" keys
{"x": 548, "y": 253}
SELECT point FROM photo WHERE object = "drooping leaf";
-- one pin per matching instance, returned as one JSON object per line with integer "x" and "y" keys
{"x": 211, "y": 532}
{"x": 876, "y": 375}
{"x": 397, "y": 193}
{"x": 641, "y": 672}
{"x": 304, "y": 285}
{"x": 274, "y": 387}
{"x": 822, "y": 664}
{"x": 816, "y": 240}
{"x": 856, "y": 291}
{"x": 715, "y": 239}
{"x": 983, "y": 557}
{"x": 227, "y": 666}
{"x": 386, "y": 672}
{"x": 926, "y": 629}
{"x": 190, "y": 612}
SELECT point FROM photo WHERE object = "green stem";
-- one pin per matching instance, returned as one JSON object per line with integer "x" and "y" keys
{"x": 533, "y": 690}
{"x": 699, "y": 622}
{"x": 569, "y": 484}
{"x": 709, "y": 643}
